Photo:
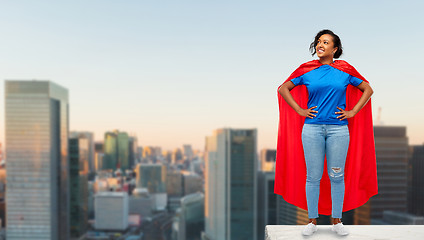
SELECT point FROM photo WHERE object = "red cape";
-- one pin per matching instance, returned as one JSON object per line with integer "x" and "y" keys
{"x": 360, "y": 167}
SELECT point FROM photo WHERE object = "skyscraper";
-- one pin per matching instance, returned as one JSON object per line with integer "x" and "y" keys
{"x": 231, "y": 185}
{"x": 267, "y": 159}
{"x": 1, "y": 152}
{"x": 391, "y": 147}
{"x": 153, "y": 177}
{"x": 267, "y": 201}
{"x": 132, "y": 152}
{"x": 116, "y": 151}
{"x": 416, "y": 180}
{"x": 37, "y": 193}
{"x": 79, "y": 151}
{"x": 90, "y": 138}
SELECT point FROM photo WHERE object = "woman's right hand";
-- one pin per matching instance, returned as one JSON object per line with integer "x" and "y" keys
{"x": 307, "y": 112}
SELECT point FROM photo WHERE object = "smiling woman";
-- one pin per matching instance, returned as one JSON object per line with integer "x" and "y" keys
{"x": 326, "y": 97}
{"x": 327, "y": 45}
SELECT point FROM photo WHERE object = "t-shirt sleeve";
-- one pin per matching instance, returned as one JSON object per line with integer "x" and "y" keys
{"x": 354, "y": 80}
{"x": 297, "y": 81}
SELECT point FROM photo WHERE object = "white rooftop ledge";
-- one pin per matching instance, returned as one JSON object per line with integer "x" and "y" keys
{"x": 357, "y": 232}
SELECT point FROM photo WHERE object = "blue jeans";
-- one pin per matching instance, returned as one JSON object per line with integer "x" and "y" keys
{"x": 319, "y": 140}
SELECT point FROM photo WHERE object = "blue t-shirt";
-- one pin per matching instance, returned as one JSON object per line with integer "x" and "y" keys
{"x": 327, "y": 90}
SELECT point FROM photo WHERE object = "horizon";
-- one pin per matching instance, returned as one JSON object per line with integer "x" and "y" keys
{"x": 172, "y": 73}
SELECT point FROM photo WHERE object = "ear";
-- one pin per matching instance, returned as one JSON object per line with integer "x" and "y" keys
{"x": 335, "y": 50}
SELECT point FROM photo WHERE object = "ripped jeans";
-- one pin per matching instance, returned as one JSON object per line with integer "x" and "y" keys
{"x": 319, "y": 140}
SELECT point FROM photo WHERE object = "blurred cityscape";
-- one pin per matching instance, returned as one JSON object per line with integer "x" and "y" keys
{"x": 62, "y": 184}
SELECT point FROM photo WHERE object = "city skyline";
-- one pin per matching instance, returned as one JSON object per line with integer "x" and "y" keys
{"x": 173, "y": 72}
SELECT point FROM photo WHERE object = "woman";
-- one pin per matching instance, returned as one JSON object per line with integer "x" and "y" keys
{"x": 326, "y": 97}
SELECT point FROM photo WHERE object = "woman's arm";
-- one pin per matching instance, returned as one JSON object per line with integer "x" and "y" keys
{"x": 366, "y": 95}
{"x": 284, "y": 91}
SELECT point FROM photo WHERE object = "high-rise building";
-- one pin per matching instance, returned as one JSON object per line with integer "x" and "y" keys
{"x": 189, "y": 220}
{"x": 90, "y": 139}
{"x": 231, "y": 185}
{"x": 267, "y": 202}
{"x": 151, "y": 154}
{"x": 153, "y": 177}
{"x": 192, "y": 183}
{"x": 123, "y": 150}
{"x": 188, "y": 152}
{"x": 416, "y": 180}
{"x": 132, "y": 151}
{"x": 174, "y": 184}
{"x": 110, "y": 148}
{"x": 98, "y": 156}
{"x": 2, "y": 196}
{"x": 391, "y": 147}
{"x": 139, "y": 154}
{"x": 116, "y": 151}
{"x": 177, "y": 156}
{"x": 267, "y": 159}
{"x": 1, "y": 152}
{"x": 78, "y": 181}
{"x": 37, "y": 193}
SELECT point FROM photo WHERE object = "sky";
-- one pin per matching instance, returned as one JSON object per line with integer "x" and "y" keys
{"x": 171, "y": 72}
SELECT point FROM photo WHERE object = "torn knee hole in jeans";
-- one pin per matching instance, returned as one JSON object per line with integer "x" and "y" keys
{"x": 336, "y": 170}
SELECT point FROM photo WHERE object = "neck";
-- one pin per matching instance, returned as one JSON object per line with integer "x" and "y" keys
{"x": 326, "y": 60}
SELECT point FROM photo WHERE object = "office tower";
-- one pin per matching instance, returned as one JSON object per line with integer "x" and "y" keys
{"x": 37, "y": 193}
{"x": 174, "y": 189}
{"x": 188, "y": 152}
{"x": 132, "y": 152}
{"x": 416, "y": 180}
{"x": 150, "y": 154}
{"x": 177, "y": 156}
{"x": 2, "y": 196}
{"x": 79, "y": 151}
{"x": 153, "y": 177}
{"x": 91, "y": 150}
{"x": 98, "y": 156}
{"x": 116, "y": 151}
{"x": 123, "y": 150}
{"x": 174, "y": 184}
{"x": 267, "y": 159}
{"x": 189, "y": 220}
{"x": 2, "y": 189}
{"x": 167, "y": 157}
{"x": 231, "y": 185}
{"x": 111, "y": 211}
{"x": 139, "y": 154}
{"x": 1, "y": 153}
{"x": 98, "y": 161}
{"x": 99, "y": 147}
{"x": 192, "y": 183}
{"x": 391, "y": 147}
{"x": 110, "y": 157}
{"x": 267, "y": 202}
{"x": 197, "y": 166}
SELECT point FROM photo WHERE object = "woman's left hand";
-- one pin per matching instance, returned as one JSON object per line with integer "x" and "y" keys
{"x": 345, "y": 114}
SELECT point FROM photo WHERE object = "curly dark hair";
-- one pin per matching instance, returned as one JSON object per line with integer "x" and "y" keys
{"x": 336, "y": 40}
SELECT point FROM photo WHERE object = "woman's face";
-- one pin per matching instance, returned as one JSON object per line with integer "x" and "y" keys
{"x": 325, "y": 46}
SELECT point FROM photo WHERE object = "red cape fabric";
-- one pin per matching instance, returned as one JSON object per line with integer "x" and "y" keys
{"x": 360, "y": 167}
